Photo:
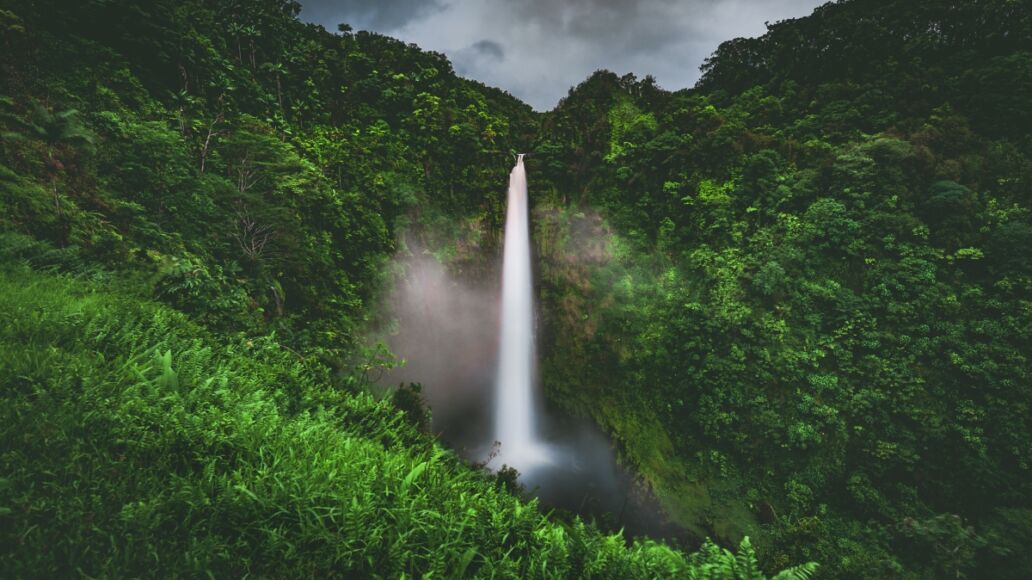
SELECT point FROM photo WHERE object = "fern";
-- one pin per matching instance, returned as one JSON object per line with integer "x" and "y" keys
{"x": 800, "y": 572}
{"x": 746, "y": 566}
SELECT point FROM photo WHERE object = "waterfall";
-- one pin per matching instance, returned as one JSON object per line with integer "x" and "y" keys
{"x": 515, "y": 410}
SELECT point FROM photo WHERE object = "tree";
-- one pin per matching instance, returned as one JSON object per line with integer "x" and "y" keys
{"x": 62, "y": 136}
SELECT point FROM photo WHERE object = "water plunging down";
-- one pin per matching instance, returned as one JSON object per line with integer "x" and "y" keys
{"x": 448, "y": 343}
{"x": 515, "y": 409}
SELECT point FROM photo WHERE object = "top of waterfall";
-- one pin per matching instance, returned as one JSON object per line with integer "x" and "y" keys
{"x": 519, "y": 158}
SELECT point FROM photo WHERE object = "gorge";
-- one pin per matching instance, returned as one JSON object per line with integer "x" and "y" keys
{"x": 790, "y": 301}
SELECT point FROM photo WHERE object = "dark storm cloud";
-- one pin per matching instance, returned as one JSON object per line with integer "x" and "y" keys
{"x": 476, "y": 57}
{"x": 551, "y": 45}
{"x": 489, "y": 48}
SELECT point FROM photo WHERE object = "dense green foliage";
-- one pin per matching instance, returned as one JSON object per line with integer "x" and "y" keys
{"x": 798, "y": 294}
{"x": 198, "y": 200}
{"x": 136, "y": 442}
{"x": 811, "y": 319}
{"x": 256, "y": 166}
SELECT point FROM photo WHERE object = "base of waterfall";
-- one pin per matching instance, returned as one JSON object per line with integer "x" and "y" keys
{"x": 524, "y": 458}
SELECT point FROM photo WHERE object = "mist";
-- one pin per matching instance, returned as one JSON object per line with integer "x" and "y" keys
{"x": 445, "y": 329}
{"x": 446, "y": 334}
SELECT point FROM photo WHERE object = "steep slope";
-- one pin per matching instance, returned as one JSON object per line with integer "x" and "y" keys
{"x": 809, "y": 320}
{"x": 256, "y": 165}
{"x": 135, "y": 442}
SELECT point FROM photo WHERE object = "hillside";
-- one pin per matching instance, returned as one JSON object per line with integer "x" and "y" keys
{"x": 810, "y": 321}
{"x": 135, "y": 441}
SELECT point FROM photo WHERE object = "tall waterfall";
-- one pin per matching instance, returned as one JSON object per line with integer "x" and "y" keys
{"x": 515, "y": 411}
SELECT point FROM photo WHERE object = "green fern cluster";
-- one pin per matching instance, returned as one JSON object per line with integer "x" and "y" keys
{"x": 712, "y": 562}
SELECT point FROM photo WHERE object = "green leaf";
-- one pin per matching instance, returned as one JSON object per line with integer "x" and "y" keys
{"x": 416, "y": 472}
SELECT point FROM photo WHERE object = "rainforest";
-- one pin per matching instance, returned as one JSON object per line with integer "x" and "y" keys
{"x": 268, "y": 309}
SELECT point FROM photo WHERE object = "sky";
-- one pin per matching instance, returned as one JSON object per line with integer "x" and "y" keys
{"x": 538, "y": 49}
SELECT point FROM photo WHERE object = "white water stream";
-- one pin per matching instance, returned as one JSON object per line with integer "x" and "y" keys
{"x": 479, "y": 396}
{"x": 516, "y": 422}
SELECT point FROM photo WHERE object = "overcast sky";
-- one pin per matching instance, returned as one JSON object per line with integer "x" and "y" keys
{"x": 538, "y": 49}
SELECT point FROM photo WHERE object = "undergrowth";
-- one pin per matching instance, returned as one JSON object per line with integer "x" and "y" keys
{"x": 132, "y": 442}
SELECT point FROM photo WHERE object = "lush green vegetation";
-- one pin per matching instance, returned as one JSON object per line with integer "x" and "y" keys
{"x": 256, "y": 166}
{"x": 135, "y": 441}
{"x": 798, "y": 294}
{"x": 199, "y": 200}
{"x": 808, "y": 319}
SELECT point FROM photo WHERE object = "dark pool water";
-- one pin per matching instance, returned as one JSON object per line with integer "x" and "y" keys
{"x": 584, "y": 475}
{"x": 447, "y": 334}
